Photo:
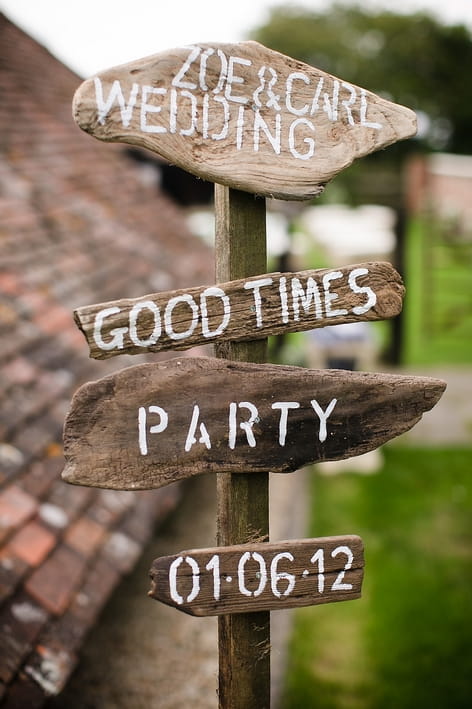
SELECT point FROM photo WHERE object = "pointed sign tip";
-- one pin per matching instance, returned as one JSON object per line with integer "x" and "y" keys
{"x": 435, "y": 392}
{"x": 68, "y": 474}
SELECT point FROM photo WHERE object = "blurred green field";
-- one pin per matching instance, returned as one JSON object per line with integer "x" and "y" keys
{"x": 438, "y": 301}
{"x": 406, "y": 644}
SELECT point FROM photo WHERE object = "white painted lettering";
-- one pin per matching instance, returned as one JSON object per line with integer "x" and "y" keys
{"x": 338, "y": 585}
{"x": 203, "y": 65}
{"x": 284, "y": 299}
{"x": 274, "y": 140}
{"x": 330, "y": 105}
{"x": 233, "y": 79}
{"x": 194, "y": 114}
{"x": 214, "y": 292}
{"x": 256, "y": 286}
{"x": 117, "y": 334}
{"x": 171, "y": 305}
{"x": 245, "y": 426}
{"x": 371, "y": 296}
{"x": 223, "y": 72}
{"x": 316, "y": 98}
{"x": 204, "y": 437}
{"x": 176, "y": 597}
{"x": 173, "y": 111}
{"x": 133, "y": 323}
{"x": 323, "y": 416}
{"x": 272, "y": 99}
{"x": 150, "y": 108}
{"x": 318, "y": 558}
{"x": 312, "y": 294}
{"x": 295, "y": 76}
{"x": 240, "y": 128}
{"x": 284, "y": 407}
{"x": 116, "y": 94}
{"x": 347, "y": 104}
{"x": 157, "y": 428}
{"x": 276, "y": 576}
{"x": 309, "y": 141}
{"x": 364, "y": 121}
{"x": 262, "y": 575}
{"x": 214, "y": 565}
{"x": 206, "y": 117}
{"x": 224, "y": 131}
{"x": 178, "y": 78}
{"x": 330, "y": 297}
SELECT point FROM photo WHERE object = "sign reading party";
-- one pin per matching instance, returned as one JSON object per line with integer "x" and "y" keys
{"x": 149, "y": 425}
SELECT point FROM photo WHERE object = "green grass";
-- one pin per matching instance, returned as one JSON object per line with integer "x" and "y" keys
{"x": 407, "y": 644}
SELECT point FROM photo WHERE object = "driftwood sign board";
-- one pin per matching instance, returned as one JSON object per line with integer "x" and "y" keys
{"x": 254, "y": 577}
{"x": 241, "y": 115}
{"x": 245, "y": 309}
{"x": 150, "y": 425}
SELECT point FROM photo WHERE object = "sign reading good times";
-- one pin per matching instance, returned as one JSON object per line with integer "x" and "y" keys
{"x": 241, "y": 115}
{"x": 246, "y": 309}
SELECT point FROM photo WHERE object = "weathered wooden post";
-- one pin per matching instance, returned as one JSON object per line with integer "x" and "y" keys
{"x": 255, "y": 122}
{"x": 242, "y": 500}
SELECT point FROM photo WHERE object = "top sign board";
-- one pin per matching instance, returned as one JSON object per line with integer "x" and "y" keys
{"x": 241, "y": 115}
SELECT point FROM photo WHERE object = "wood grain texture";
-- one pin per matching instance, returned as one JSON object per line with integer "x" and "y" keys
{"x": 247, "y": 578}
{"x": 102, "y": 445}
{"x": 244, "y": 309}
{"x": 241, "y": 115}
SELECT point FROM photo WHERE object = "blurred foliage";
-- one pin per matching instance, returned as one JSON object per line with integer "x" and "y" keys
{"x": 413, "y": 60}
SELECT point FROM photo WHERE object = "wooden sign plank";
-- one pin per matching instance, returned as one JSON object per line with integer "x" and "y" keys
{"x": 246, "y": 309}
{"x": 254, "y": 577}
{"x": 149, "y": 425}
{"x": 241, "y": 115}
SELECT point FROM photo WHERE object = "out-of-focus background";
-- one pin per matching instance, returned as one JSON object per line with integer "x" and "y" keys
{"x": 83, "y": 222}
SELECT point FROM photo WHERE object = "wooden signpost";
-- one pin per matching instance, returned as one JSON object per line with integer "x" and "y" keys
{"x": 256, "y": 123}
{"x": 152, "y": 424}
{"x": 262, "y": 576}
{"x": 246, "y": 309}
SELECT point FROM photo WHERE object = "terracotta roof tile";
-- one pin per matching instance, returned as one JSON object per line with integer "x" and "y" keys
{"x": 16, "y": 507}
{"x": 32, "y": 543}
{"x": 54, "y": 583}
{"x": 12, "y": 571}
{"x": 41, "y": 475}
{"x": 20, "y": 623}
{"x": 85, "y": 536}
{"x": 93, "y": 594}
{"x": 78, "y": 225}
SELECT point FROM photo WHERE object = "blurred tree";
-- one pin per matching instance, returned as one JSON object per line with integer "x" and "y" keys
{"x": 410, "y": 59}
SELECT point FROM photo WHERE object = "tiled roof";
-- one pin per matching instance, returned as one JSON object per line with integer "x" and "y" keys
{"x": 80, "y": 223}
